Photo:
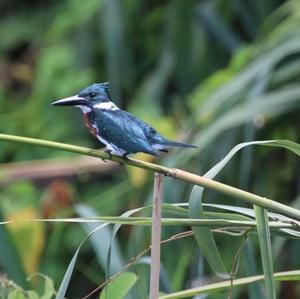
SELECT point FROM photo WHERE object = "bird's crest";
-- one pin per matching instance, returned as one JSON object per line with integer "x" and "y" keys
{"x": 107, "y": 86}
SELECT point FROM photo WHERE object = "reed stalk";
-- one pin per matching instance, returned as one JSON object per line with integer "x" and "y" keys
{"x": 171, "y": 172}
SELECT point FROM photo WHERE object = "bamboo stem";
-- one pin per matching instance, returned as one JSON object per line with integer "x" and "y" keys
{"x": 172, "y": 172}
{"x": 156, "y": 235}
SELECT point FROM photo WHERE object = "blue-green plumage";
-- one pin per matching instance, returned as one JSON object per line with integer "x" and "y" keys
{"x": 120, "y": 131}
{"x": 119, "y": 128}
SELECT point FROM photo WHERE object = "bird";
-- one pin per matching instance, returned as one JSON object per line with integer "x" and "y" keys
{"x": 121, "y": 132}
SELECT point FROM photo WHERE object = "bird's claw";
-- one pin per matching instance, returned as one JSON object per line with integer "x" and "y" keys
{"x": 109, "y": 153}
{"x": 110, "y": 156}
{"x": 125, "y": 156}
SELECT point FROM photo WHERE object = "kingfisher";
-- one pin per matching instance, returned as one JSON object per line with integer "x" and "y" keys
{"x": 121, "y": 132}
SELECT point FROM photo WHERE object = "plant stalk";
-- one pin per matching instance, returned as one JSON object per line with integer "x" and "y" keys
{"x": 171, "y": 172}
{"x": 156, "y": 235}
{"x": 147, "y": 221}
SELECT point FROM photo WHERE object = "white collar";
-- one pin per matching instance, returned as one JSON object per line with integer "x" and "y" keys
{"x": 84, "y": 109}
{"x": 106, "y": 106}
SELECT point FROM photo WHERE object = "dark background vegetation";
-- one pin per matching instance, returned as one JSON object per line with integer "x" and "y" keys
{"x": 215, "y": 73}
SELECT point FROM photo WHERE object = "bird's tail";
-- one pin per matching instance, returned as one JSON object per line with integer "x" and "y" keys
{"x": 179, "y": 144}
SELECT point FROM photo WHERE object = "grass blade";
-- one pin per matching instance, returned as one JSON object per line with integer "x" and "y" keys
{"x": 203, "y": 235}
{"x": 265, "y": 250}
{"x": 101, "y": 248}
{"x": 9, "y": 258}
{"x": 66, "y": 279}
{"x": 225, "y": 285}
{"x": 119, "y": 287}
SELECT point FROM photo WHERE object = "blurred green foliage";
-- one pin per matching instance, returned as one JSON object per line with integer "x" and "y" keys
{"x": 217, "y": 72}
{"x": 10, "y": 290}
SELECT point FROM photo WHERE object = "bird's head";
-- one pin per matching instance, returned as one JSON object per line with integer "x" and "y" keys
{"x": 88, "y": 97}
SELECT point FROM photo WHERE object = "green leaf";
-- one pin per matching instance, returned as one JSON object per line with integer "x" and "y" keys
{"x": 102, "y": 248}
{"x": 16, "y": 294}
{"x": 203, "y": 235}
{"x": 66, "y": 279}
{"x": 220, "y": 165}
{"x": 287, "y": 232}
{"x": 33, "y": 295}
{"x": 287, "y": 144}
{"x": 49, "y": 289}
{"x": 114, "y": 233}
{"x": 9, "y": 258}
{"x": 119, "y": 287}
{"x": 265, "y": 250}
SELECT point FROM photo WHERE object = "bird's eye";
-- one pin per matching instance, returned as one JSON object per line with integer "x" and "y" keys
{"x": 92, "y": 94}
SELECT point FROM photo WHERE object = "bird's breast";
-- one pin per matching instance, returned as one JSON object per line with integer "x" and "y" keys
{"x": 93, "y": 130}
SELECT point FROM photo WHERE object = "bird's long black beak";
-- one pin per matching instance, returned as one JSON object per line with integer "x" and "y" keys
{"x": 70, "y": 101}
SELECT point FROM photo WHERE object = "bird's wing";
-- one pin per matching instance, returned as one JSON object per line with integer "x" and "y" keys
{"x": 123, "y": 130}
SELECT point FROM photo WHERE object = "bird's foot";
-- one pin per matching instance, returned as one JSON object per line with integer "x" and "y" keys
{"x": 124, "y": 156}
{"x": 109, "y": 153}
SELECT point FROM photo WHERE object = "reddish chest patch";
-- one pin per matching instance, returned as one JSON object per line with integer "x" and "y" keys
{"x": 89, "y": 125}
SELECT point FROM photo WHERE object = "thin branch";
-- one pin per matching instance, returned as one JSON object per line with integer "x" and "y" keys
{"x": 172, "y": 172}
{"x": 135, "y": 259}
